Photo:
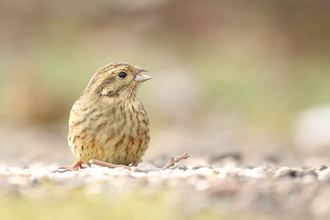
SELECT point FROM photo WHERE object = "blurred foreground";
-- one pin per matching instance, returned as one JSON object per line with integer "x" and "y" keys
{"x": 181, "y": 192}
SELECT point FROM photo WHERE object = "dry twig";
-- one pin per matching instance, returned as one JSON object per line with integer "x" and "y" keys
{"x": 105, "y": 164}
{"x": 174, "y": 160}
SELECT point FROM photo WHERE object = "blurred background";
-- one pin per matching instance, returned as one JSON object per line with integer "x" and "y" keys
{"x": 247, "y": 80}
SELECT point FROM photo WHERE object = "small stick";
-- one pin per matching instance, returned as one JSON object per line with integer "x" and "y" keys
{"x": 174, "y": 160}
{"x": 105, "y": 164}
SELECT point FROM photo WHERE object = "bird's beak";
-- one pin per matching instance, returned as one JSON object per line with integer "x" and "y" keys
{"x": 139, "y": 77}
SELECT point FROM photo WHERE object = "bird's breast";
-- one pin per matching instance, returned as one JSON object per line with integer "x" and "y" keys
{"x": 113, "y": 131}
{"x": 109, "y": 120}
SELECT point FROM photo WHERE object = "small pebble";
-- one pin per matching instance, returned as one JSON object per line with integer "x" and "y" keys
{"x": 324, "y": 176}
{"x": 323, "y": 167}
{"x": 145, "y": 168}
{"x": 138, "y": 174}
{"x": 197, "y": 167}
{"x": 282, "y": 170}
{"x": 309, "y": 172}
{"x": 179, "y": 167}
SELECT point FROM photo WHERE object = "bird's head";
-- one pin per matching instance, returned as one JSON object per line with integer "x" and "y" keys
{"x": 117, "y": 79}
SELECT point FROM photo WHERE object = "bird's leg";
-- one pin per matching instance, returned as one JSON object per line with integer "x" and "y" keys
{"x": 105, "y": 164}
{"x": 174, "y": 160}
{"x": 76, "y": 165}
{"x": 135, "y": 164}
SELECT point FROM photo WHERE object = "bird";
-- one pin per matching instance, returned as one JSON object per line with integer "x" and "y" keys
{"x": 108, "y": 122}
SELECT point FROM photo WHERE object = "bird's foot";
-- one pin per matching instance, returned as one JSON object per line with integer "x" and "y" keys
{"x": 134, "y": 164}
{"x": 78, "y": 164}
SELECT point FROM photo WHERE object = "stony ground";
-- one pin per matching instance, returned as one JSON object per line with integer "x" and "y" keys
{"x": 233, "y": 192}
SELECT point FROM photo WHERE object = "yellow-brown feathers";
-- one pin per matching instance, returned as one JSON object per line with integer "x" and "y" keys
{"x": 108, "y": 122}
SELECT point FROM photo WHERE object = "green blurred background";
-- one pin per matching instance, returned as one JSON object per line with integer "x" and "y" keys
{"x": 250, "y": 79}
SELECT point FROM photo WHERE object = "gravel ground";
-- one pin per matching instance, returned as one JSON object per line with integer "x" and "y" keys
{"x": 287, "y": 193}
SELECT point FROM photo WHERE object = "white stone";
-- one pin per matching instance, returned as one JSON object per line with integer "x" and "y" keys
{"x": 312, "y": 129}
{"x": 282, "y": 170}
{"x": 139, "y": 174}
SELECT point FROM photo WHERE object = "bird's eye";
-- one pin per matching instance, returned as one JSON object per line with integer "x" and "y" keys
{"x": 122, "y": 75}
